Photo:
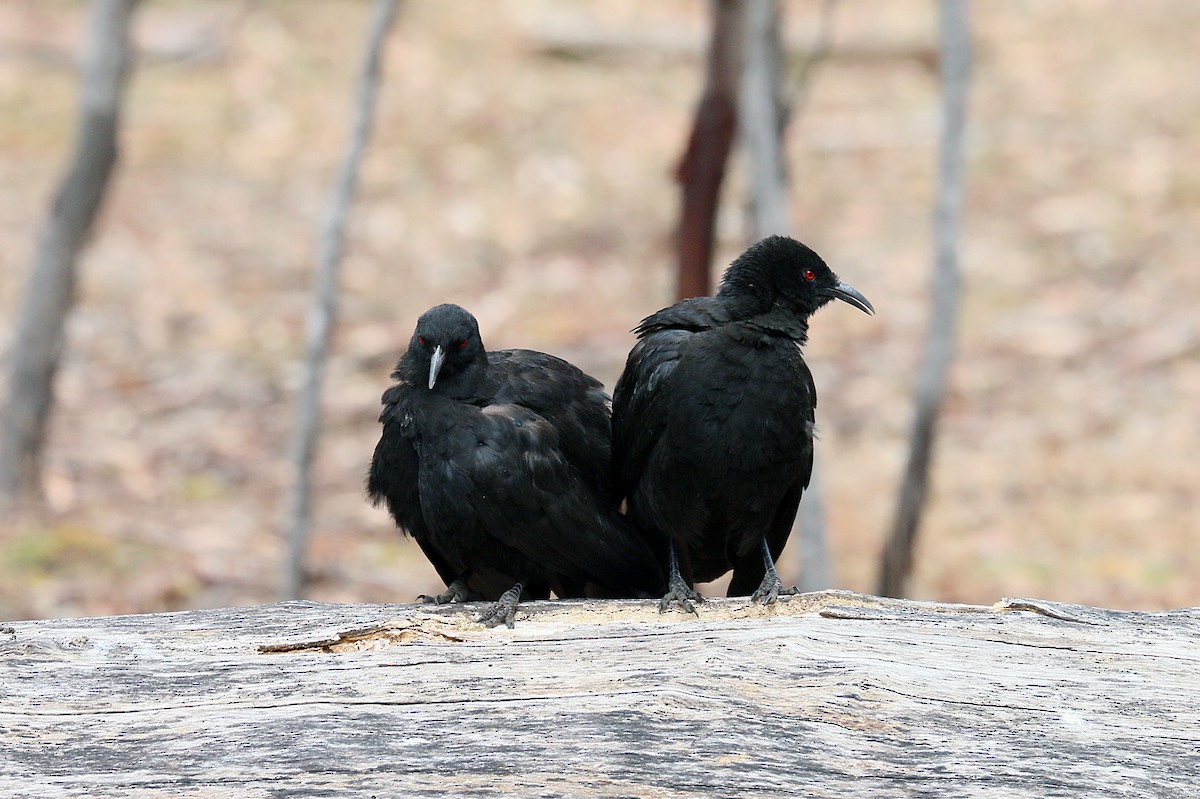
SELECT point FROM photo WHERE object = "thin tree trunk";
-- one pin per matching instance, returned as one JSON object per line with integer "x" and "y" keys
{"x": 50, "y": 293}
{"x": 955, "y": 72}
{"x": 702, "y": 168}
{"x": 763, "y": 118}
{"x": 323, "y": 312}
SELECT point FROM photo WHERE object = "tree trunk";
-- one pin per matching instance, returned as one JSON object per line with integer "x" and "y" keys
{"x": 955, "y": 70}
{"x": 50, "y": 292}
{"x": 323, "y": 313}
{"x": 702, "y": 168}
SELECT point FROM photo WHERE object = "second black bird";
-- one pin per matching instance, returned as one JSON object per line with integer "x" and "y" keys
{"x": 713, "y": 420}
{"x": 497, "y": 464}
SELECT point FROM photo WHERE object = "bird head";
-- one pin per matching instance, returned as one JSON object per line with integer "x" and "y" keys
{"x": 781, "y": 271}
{"x": 446, "y": 344}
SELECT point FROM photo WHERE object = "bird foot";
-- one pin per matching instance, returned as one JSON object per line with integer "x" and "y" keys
{"x": 457, "y": 591}
{"x": 504, "y": 611}
{"x": 678, "y": 591}
{"x": 771, "y": 589}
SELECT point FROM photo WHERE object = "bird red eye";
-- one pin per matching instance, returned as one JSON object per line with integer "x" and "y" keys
{"x": 810, "y": 274}
{"x": 422, "y": 340}
{"x": 462, "y": 345}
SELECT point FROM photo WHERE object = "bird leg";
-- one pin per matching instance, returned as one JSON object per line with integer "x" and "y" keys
{"x": 677, "y": 588}
{"x": 771, "y": 586}
{"x": 457, "y": 591}
{"x": 505, "y": 609}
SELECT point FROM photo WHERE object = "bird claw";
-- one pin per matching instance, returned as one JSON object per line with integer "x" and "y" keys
{"x": 457, "y": 591}
{"x": 504, "y": 611}
{"x": 678, "y": 591}
{"x": 770, "y": 590}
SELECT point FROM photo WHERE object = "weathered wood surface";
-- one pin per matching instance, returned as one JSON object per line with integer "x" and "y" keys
{"x": 824, "y": 695}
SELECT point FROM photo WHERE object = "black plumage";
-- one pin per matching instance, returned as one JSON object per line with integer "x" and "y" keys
{"x": 497, "y": 463}
{"x": 713, "y": 420}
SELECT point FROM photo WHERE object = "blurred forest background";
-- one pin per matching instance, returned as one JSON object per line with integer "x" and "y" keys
{"x": 522, "y": 167}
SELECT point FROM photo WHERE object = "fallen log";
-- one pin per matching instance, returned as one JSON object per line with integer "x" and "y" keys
{"x": 830, "y": 694}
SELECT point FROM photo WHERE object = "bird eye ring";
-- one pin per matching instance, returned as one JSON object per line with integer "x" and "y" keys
{"x": 462, "y": 345}
{"x": 810, "y": 274}
{"x": 422, "y": 340}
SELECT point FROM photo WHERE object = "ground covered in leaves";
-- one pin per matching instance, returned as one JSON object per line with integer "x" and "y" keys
{"x": 523, "y": 168}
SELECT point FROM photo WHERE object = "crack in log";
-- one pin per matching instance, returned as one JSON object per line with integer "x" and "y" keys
{"x": 1041, "y": 646}
{"x": 364, "y": 638}
{"x": 964, "y": 702}
{"x": 1010, "y": 604}
{"x": 588, "y": 696}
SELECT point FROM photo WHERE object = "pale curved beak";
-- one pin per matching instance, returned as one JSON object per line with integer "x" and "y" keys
{"x": 435, "y": 364}
{"x": 847, "y": 293}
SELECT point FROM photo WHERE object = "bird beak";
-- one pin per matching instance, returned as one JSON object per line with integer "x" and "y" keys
{"x": 435, "y": 364}
{"x": 846, "y": 292}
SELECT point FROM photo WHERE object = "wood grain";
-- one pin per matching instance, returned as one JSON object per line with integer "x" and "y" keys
{"x": 830, "y": 694}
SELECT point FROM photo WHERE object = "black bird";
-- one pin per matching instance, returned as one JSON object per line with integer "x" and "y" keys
{"x": 497, "y": 463}
{"x": 713, "y": 420}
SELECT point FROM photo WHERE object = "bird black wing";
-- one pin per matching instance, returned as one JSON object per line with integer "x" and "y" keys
{"x": 501, "y": 473}
{"x": 392, "y": 478}
{"x": 640, "y": 407}
{"x": 571, "y": 401}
